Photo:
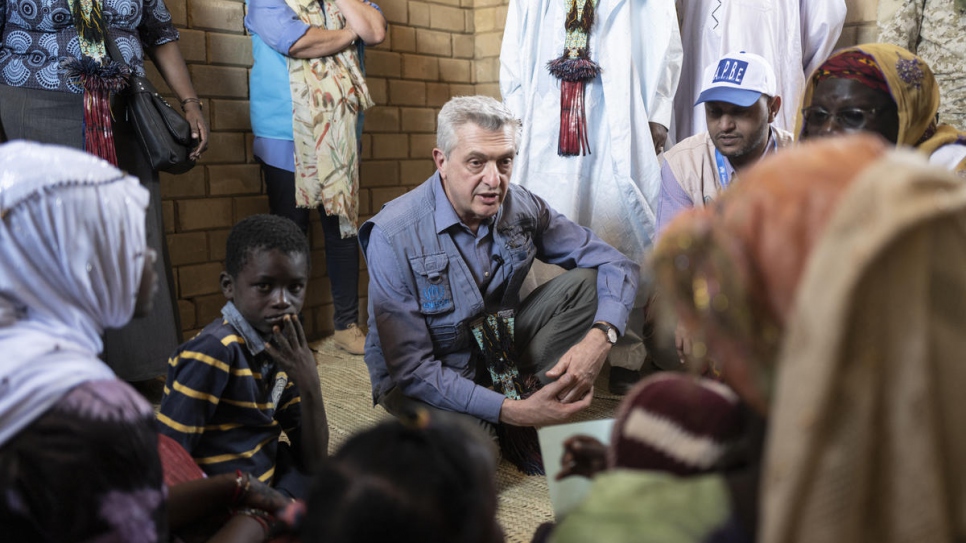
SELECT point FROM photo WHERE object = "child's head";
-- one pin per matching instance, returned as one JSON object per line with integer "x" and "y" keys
{"x": 674, "y": 422}
{"x": 266, "y": 269}
{"x": 428, "y": 480}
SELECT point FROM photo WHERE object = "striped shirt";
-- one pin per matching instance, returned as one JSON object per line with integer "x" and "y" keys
{"x": 226, "y": 405}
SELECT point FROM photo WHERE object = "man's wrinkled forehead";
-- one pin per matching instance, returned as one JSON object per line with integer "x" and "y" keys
{"x": 509, "y": 130}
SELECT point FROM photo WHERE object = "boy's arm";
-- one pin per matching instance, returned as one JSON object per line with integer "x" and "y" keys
{"x": 291, "y": 352}
{"x": 197, "y": 377}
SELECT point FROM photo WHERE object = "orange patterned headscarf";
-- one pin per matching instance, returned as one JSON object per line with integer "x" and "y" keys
{"x": 732, "y": 269}
{"x": 837, "y": 266}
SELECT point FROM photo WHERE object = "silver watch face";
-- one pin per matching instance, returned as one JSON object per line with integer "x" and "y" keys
{"x": 608, "y": 331}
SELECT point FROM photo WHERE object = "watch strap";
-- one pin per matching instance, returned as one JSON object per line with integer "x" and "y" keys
{"x": 609, "y": 330}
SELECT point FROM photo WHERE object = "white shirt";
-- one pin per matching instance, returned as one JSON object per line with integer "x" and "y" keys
{"x": 948, "y": 156}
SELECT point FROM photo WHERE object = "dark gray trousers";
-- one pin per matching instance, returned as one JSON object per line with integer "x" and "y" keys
{"x": 551, "y": 320}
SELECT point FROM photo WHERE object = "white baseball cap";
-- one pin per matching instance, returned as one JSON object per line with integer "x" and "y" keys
{"x": 738, "y": 78}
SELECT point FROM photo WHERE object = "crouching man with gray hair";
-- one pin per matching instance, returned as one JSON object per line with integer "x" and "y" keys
{"x": 448, "y": 329}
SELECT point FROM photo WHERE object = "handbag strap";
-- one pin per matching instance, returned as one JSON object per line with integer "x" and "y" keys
{"x": 114, "y": 52}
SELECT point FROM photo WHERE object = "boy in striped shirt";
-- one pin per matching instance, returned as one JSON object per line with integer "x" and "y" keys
{"x": 248, "y": 376}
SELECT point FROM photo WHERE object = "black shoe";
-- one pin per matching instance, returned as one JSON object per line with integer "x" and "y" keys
{"x": 622, "y": 380}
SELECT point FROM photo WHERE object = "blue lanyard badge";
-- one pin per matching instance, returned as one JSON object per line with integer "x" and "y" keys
{"x": 724, "y": 174}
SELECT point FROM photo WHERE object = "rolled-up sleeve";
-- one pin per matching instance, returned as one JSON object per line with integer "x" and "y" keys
{"x": 673, "y": 199}
{"x": 156, "y": 27}
{"x": 405, "y": 344}
{"x": 569, "y": 245}
{"x": 275, "y": 23}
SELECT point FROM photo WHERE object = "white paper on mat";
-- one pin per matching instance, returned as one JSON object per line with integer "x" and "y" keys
{"x": 566, "y": 494}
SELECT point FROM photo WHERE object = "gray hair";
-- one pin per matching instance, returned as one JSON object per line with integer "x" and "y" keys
{"x": 483, "y": 111}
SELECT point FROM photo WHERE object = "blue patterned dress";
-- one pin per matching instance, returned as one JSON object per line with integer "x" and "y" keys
{"x": 39, "y": 34}
{"x": 39, "y": 103}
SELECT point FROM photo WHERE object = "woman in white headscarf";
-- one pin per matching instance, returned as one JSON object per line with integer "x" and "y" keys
{"x": 78, "y": 450}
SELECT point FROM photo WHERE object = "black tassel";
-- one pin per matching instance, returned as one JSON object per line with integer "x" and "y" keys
{"x": 573, "y": 68}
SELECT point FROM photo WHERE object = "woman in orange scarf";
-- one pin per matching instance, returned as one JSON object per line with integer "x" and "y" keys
{"x": 827, "y": 288}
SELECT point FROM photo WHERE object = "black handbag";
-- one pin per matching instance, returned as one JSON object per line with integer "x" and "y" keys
{"x": 164, "y": 134}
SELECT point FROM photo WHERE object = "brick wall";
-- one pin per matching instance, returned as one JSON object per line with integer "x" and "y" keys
{"x": 435, "y": 49}
{"x": 201, "y": 206}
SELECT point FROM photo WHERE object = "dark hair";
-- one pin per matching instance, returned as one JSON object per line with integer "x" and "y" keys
{"x": 262, "y": 232}
{"x": 425, "y": 481}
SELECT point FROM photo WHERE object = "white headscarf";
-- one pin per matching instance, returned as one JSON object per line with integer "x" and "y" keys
{"x": 72, "y": 250}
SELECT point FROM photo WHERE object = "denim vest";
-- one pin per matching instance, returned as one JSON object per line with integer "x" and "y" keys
{"x": 449, "y": 296}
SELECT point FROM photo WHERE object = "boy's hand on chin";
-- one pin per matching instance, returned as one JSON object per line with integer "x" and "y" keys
{"x": 291, "y": 351}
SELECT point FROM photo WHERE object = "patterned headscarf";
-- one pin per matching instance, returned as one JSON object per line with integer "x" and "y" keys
{"x": 843, "y": 259}
{"x": 865, "y": 440}
{"x": 854, "y": 65}
{"x": 730, "y": 270}
{"x": 908, "y": 80}
{"x": 72, "y": 249}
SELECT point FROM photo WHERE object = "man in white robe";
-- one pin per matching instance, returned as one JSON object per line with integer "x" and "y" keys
{"x": 794, "y": 36}
{"x": 613, "y": 190}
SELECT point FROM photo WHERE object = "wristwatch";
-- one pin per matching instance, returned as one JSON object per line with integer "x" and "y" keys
{"x": 608, "y": 329}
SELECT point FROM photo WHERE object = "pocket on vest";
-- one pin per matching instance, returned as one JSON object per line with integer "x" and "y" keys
{"x": 432, "y": 283}
{"x": 448, "y": 339}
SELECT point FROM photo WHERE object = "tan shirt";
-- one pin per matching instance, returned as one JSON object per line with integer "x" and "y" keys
{"x": 689, "y": 176}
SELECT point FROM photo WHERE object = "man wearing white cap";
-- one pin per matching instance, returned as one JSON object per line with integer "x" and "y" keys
{"x": 794, "y": 36}
{"x": 740, "y": 100}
